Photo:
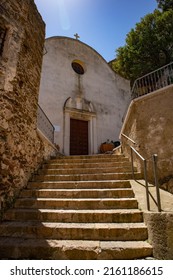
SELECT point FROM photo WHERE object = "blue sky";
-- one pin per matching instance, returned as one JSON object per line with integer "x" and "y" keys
{"x": 102, "y": 24}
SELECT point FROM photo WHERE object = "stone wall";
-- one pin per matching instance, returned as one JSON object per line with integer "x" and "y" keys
{"x": 21, "y": 148}
{"x": 160, "y": 230}
{"x": 149, "y": 123}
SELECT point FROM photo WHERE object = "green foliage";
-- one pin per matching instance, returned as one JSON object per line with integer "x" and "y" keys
{"x": 148, "y": 46}
{"x": 165, "y": 5}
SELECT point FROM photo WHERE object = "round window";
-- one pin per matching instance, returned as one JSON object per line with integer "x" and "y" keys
{"x": 77, "y": 67}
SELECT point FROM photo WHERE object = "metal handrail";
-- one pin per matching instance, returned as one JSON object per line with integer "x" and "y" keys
{"x": 154, "y": 80}
{"x": 44, "y": 124}
{"x": 154, "y": 159}
{"x": 128, "y": 138}
{"x": 145, "y": 173}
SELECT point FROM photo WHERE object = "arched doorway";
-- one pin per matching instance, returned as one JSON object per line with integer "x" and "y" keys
{"x": 79, "y": 127}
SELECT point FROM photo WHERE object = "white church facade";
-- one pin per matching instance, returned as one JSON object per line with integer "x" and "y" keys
{"x": 83, "y": 97}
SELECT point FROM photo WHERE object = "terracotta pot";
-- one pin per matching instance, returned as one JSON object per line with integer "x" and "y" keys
{"x": 106, "y": 147}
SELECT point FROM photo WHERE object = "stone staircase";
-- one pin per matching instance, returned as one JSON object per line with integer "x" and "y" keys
{"x": 78, "y": 207}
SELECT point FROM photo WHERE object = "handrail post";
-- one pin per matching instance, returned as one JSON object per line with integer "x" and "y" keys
{"x": 155, "y": 157}
{"x": 146, "y": 185}
{"x": 132, "y": 163}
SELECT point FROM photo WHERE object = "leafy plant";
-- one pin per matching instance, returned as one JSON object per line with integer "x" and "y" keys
{"x": 148, "y": 46}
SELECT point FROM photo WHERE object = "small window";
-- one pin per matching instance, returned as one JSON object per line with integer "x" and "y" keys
{"x": 2, "y": 39}
{"x": 77, "y": 67}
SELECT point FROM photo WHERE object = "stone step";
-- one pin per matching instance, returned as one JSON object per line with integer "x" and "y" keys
{"x": 80, "y": 184}
{"x": 87, "y": 177}
{"x": 89, "y": 160}
{"x": 75, "y": 171}
{"x": 78, "y": 193}
{"x": 76, "y": 216}
{"x": 97, "y": 165}
{"x": 95, "y": 156}
{"x": 90, "y": 203}
{"x": 92, "y": 156}
{"x": 75, "y": 231}
{"x": 18, "y": 248}
{"x": 77, "y": 207}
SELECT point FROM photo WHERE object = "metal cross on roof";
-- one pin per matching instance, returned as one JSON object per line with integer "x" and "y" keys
{"x": 76, "y": 36}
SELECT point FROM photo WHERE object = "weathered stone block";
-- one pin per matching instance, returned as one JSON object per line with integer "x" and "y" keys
{"x": 21, "y": 148}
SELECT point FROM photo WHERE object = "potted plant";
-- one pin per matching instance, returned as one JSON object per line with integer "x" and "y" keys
{"x": 107, "y": 146}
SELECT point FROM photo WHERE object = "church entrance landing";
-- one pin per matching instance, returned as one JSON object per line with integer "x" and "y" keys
{"x": 78, "y": 137}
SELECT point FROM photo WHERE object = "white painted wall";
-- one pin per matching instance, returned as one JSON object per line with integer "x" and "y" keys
{"x": 108, "y": 92}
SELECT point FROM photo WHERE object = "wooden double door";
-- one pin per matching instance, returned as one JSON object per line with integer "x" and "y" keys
{"x": 78, "y": 137}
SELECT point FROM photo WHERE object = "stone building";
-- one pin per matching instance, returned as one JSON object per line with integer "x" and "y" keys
{"x": 22, "y": 34}
{"x": 84, "y": 99}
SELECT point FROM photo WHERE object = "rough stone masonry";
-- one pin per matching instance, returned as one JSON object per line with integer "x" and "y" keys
{"x": 22, "y": 33}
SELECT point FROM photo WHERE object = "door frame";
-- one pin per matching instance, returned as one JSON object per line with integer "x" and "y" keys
{"x": 80, "y": 127}
{"x": 92, "y": 129}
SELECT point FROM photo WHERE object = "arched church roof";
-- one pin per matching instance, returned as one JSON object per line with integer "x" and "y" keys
{"x": 83, "y": 44}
